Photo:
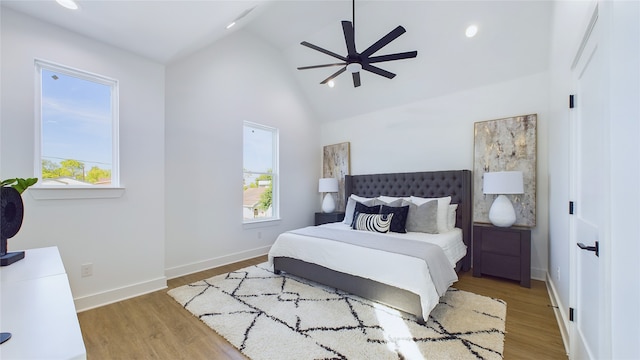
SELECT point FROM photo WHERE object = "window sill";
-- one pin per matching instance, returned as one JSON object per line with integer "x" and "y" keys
{"x": 62, "y": 193}
{"x": 261, "y": 223}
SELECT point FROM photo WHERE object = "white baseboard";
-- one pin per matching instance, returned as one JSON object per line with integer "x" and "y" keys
{"x": 126, "y": 292}
{"x": 539, "y": 274}
{"x": 187, "y": 269}
{"x": 561, "y": 313}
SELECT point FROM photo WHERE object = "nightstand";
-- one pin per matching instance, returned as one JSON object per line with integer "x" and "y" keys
{"x": 503, "y": 252}
{"x": 324, "y": 218}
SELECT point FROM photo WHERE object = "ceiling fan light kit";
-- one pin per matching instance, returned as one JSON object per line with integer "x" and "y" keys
{"x": 354, "y": 67}
{"x": 354, "y": 61}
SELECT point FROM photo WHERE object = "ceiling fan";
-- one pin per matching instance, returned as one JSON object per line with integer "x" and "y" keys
{"x": 354, "y": 61}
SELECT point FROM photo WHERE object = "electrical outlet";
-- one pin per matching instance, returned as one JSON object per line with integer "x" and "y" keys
{"x": 558, "y": 273}
{"x": 86, "y": 269}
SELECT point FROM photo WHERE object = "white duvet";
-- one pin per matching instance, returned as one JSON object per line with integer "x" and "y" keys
{"x": 401, "y": 271}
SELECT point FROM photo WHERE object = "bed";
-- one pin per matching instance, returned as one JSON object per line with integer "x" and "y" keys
{"x": 387, "y": 277}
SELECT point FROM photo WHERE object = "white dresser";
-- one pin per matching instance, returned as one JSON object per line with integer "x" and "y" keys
{"x": 36, "y": 307}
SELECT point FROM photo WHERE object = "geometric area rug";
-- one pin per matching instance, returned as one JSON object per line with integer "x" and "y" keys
{"x": 268, "y": 316}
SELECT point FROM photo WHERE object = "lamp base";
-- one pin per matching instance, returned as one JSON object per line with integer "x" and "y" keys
{"x": 11, "y": 257}
{"x": 328, "y": 204}
{"x": 502, "y": 213}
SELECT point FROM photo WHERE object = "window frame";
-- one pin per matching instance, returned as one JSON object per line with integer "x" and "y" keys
{"x": 40, "y": 191}
{"x": 275, "y": 173}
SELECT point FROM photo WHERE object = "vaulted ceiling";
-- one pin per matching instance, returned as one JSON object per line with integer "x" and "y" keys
{"x": 512, "y": 41}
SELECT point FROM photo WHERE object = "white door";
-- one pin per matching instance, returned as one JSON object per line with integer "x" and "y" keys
{"x": 589, "y": 179}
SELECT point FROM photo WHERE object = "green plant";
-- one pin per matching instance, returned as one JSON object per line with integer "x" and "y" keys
{"x": 19, "y": 184}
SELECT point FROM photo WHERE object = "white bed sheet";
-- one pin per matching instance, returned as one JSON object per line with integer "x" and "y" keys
{"x": 401, "y": 271}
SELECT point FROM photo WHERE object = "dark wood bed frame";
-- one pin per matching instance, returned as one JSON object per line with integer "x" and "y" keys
{"x": 455, "y": 183}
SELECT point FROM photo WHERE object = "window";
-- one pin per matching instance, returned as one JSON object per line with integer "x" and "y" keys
{"x": 260, "y": 173}
{"x": 77, "y": 130}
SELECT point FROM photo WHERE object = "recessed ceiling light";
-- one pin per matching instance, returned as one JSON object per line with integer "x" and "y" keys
{"x": 331, "y": 83}
{"x": 69, "y": 4}
{"x": 471, "y": 31}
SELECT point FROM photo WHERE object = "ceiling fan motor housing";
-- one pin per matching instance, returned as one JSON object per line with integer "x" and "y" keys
{"x": 354, "y": 62}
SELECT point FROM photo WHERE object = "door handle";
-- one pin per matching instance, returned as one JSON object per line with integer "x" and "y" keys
{"x": 590, "y": 248}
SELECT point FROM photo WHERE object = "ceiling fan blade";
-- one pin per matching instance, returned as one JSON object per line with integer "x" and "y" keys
{"x": 324, "y": 51}
{"x": 356, "y": 79}
{"x": 349, "y": 38}
{"x": 320, "y": 66}
{"x": 334, "y": 75}
{"x": 392, "y": 35}
{"x": 377, "y": 70}
{"x": 398, "y": 56}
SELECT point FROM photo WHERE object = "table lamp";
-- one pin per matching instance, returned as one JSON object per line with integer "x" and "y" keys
{"x": 501, "y": 183}
{"x": 328, "y": 186}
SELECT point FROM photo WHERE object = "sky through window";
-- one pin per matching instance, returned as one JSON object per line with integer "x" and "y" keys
{"x": 76, "y": 120}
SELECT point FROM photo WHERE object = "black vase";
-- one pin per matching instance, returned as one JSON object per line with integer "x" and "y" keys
{"x": 11, "y": 215}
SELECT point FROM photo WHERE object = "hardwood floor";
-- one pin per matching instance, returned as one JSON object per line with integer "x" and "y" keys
{"x": 532, "y": 328}
{"x": 154, "y": 326}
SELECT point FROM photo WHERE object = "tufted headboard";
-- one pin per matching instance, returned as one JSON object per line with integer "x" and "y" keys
{"x": 430, "y": 184}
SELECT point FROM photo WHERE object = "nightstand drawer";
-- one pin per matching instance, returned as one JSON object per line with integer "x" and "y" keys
{"x": 500, "y": 265}
{"x": 503, "y": 252}
{"x": 501, "y": 242}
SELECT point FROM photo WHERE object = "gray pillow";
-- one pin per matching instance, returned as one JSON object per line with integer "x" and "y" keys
{"x": 351, "y": 207}
{"x": 423, "y": 218}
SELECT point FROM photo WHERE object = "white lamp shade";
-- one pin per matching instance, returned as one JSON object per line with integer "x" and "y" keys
{"x": 503, "y": 182}
{"x": 328, "y": 185}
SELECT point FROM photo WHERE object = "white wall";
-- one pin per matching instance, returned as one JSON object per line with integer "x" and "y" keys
{"x": 621, "y": 42}
{"x": 198, "y": 204}
{"x": 120, "y": 236}
{"x": 570, "y": 19}
{"x": 209, "y": 95}
{"x": 437, "y": 134}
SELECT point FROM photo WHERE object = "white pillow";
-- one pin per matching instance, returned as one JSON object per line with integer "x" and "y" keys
{"x": 451, "y": 220}
{"x": 389, "y": 199}
{"x": 360, "y": 198}
{"x": 443, "y": 210}
{"x": 351, "y": 207}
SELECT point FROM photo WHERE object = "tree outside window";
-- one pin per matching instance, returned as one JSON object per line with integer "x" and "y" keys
{"x": 78, "y": 137}
{"x": 260, "y": 155}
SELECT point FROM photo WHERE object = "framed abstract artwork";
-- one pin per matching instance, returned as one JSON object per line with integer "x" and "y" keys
{"x": 508, "y": 144}
{"x": 336, "y": 164}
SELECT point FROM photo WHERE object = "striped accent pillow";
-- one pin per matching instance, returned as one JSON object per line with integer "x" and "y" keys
{"x": 372, "y": 222}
